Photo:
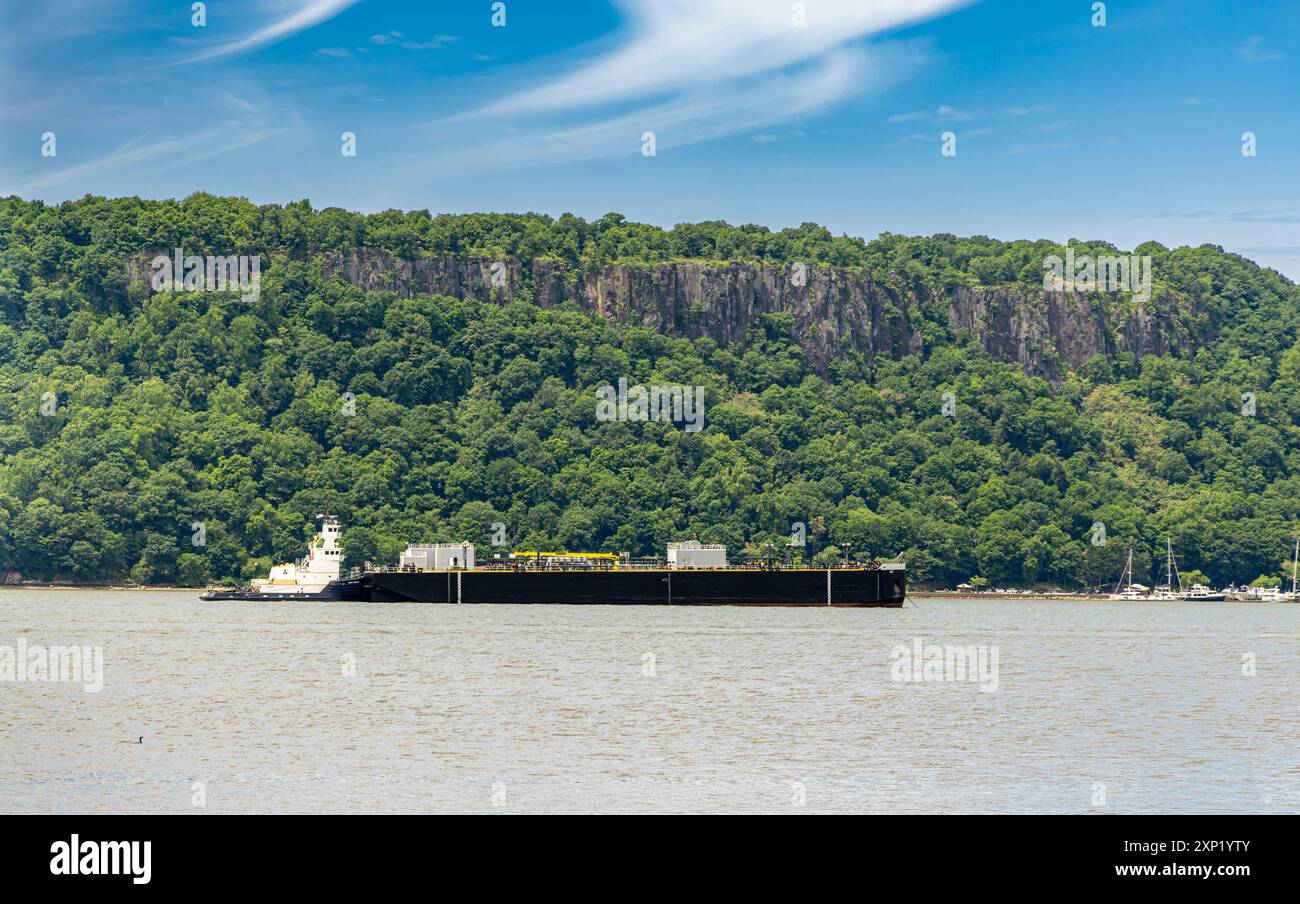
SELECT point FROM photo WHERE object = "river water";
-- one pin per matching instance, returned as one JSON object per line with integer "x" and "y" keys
{"x": 1081, "y": 707}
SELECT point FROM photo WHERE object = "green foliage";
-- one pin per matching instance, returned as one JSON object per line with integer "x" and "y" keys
{"x": 203, "y": 407}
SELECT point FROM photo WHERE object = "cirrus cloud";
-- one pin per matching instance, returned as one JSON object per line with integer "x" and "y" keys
{"x": 303, "y": 16}
{"x": 696, "y": 70}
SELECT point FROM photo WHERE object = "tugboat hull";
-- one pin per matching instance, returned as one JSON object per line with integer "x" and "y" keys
{"x": 255, "y": 595}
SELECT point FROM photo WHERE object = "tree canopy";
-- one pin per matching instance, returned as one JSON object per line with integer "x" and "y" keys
{"x": 133, "y": 426}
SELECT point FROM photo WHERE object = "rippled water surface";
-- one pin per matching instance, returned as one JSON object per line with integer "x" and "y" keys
{"x": 595, "y": 709}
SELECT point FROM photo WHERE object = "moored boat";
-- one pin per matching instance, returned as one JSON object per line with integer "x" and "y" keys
{"x": 1199, "y": 593}
{"x": 1277, "y": 594}
{"x": 1126, "y": 588}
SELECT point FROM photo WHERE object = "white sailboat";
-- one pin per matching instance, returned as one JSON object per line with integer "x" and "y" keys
{"x": 1125, "y": 589}
{"x": 1276, "y": 595}
{"x": 1194, "y": 594}
{"x": 1167, "y": 591}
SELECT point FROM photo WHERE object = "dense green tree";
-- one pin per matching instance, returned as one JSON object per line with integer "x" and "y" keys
{"x": 127, "y": 418}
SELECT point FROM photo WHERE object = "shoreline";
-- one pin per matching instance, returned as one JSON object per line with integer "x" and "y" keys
{"x": 1015, "y": 595}
{"x": 114, "y": 587}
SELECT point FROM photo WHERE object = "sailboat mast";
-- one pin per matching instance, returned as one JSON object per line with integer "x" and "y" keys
{"x": 1173, "y": 566}
{"x": 1127, "y": 572}
{"x": 1295, "y": 562}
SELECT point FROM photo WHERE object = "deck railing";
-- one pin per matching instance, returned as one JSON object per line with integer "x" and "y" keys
{"x": 656, "y": 565}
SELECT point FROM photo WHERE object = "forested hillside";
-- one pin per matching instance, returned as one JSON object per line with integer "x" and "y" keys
{"x": 128, "y": 417}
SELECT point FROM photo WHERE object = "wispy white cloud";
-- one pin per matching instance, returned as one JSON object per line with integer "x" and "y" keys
{"x": 437, "y": 42}
{"x": 944, "y": 113}
{"x": 58, "y": 20}
{"x": 948, "y": 114}
{"x": 391, "y": 38}
{"x": 1252, "y": 50}
{"x": 1029, "y": 110}
{"x": 243, "y": 125}
{"x": 937, "y": 137}
{"x": 158, "y": 153}
{"x": 679, "y": 44}
{"x": 911, "y": 116}
{"x": 695, "y": 70}
{"x": 689, "y": 118}
{"x": 306, "y": 14}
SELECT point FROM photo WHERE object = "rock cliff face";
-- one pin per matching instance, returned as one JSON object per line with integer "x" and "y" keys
{"x": 835, "y": 310}
{"x": 1051, "y": 333}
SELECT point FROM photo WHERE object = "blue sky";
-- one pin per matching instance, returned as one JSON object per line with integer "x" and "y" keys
{"x": 1126, "y": 132}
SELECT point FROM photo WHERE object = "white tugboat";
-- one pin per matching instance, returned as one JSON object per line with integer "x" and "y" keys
{"x": 306, "y": 579}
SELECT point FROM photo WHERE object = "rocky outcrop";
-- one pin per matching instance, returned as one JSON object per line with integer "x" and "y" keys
{"x": 1051, "y": 333}
{"x": 835, "y": 311}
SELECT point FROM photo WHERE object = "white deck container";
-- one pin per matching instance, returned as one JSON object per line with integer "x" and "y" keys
{"x": 439, "y": 556}
{"x": 694, "y": 554}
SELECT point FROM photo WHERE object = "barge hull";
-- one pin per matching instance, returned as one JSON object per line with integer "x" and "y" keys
{"x": 650, "y": 587}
